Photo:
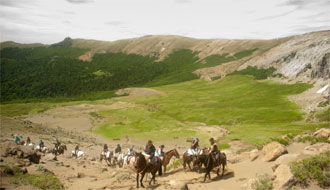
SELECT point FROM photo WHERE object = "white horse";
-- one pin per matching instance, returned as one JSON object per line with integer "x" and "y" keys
{"x": 43, "y": 149}
{"x": 79, "y": 154}
{"x": 120, "y": 159}
{"x": 107, "y": 156}
{"x": 30, "y": 144}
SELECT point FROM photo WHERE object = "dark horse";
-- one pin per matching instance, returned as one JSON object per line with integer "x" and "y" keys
{"x": 168, "y": 156}
{"x": 59, "y": 150}
{"x": 211, "y": 163}
{"x": 142, "y": 167}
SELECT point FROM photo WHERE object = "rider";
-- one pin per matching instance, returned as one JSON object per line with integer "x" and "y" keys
{"x": 28, "y": 140}
{"x": 130, "y": 150}
{"x": 194, "y": 146}
{"x": 160, "y": 152}
{"x": 214, "y": 151}
{"x": 41, "y": 144}
{"x": 150, "y": 151}
{"x": 118, "y": 149}
{"x": 17, "y": 140}
{"x": 105, "y": 148}
{"x": 76, "y": 149}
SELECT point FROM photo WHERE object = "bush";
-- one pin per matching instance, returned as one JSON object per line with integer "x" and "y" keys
{"x": 259, "y": 74}
{"x": 316, "y": 168}
{"x": 44, "y": 181}
{"x": 177, "y": 163}
{"x": 263, "y": 182}
{"x": 314, "y": 140}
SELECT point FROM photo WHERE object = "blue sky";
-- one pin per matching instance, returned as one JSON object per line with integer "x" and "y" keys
{"x": 50, "y": 21}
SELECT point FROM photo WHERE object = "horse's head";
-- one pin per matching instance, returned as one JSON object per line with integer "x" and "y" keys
{"x": 176, "y": 153}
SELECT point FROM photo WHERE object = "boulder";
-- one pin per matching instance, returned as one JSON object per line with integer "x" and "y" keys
{"x": 316, "y": 149}
{"x": 25, "y": 152}
{"x": 284, "y": 159}
{"x": 283, "y": 179}
{"x": 249, "y": 184}
{"x": 179, "y": 185}
{"x": 272, "y": 151}
{"x": 254, "y": 154}
{"x": 323, "y": 132}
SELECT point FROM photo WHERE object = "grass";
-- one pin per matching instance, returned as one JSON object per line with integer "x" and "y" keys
{"x": 254, "y": 71}
{"x": 34, "y": 106}
{"x": 316, "y": 168}
{"x": 324, "y": 115}
{"x": 177, "y": 163}
{"x": 254, "y": 111}
{"x": 263, "y": 182}
{"x": 42, "y": 181}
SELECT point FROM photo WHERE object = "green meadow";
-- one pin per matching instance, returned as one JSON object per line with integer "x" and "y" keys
{"x": 251, "y": 110}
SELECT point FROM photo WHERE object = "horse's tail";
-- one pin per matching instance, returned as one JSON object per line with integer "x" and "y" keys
{"x": 160, "y": 170}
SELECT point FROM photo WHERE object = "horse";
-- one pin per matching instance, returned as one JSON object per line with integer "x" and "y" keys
{"x": 119, "y": 160}
{"x": 30, "y": 145}
{"x": 78, "y": 154}
{"x": 211, "y": 163}
{"x": 60, "y": 149}
{"x": 42, "y": 149}
{"x": 142, "y": 167}
{"x": 21, "y": 143}
{"x": 107, "y": 156}
{"x": 168, "y": 156}
{"x": 187, "y": 158}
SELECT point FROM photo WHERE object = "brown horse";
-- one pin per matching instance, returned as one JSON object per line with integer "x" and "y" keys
{"x": 168, "y": 156}
{"x": 211, "y": 162}
{"x": 21, "y": 143}
{"x": 187, "y": 159}
{"x": 142, "y": 167}
{"x": 60, "y": 149}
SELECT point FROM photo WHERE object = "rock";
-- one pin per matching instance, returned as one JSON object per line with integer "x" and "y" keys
{"x": 179, "y": 185}
{"x": 104, "y": 170}
{"x": 80, "y": 175}
{"x": 323, "y": 132}
{"x": 284, "y": 159}
{"x": 68, "y": 166}
{"x": 272, "y": 151}
{"x": 254, "y": 154}
{"x": 283, "y": 179}
{"x": 249, "y": 184}
{"x": 316, "y": 149}
{"x": 298, "y": 137}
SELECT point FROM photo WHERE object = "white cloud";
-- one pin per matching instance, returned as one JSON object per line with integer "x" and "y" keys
{"x": 50, "y": 21}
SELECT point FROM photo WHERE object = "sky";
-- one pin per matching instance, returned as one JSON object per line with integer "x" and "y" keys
{"x": 50, "y": 21}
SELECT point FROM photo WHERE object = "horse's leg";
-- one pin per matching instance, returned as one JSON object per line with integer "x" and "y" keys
{"x": 205, "y": 176}
{"x": 223, "y": 168}
{"x": 137, "y": 179}
{"x": 141, "y": 180}
{"x": 209, "y": 175}
{"x": 218, "y": 171}
{"x": 165, "y": 168}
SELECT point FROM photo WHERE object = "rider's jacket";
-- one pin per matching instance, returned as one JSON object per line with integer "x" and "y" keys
{"x": 118, "y": 149}
{"x": 150, "y": 150}
{"x": 194, "y": 144}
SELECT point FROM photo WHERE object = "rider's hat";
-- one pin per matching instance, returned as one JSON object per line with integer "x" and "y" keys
{"x": 149, "y": 142}
{"x": 162, "y": 146}
{"x": 196, "y": 138}
{"x": 211, "y": 139}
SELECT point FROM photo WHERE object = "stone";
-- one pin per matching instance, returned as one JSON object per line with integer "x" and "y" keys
{"x": 323, "y": 132}
{"x": 283, "y": 179}
{"x": 272, "y": 151}
{"x": 80, "y": 175}
{"x": 316, "y": 149}
{"x": 254, "y": 154}
{"x": 284, "y": 159}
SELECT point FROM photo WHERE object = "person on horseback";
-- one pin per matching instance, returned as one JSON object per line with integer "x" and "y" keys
{"x": 130, "y": 151}
{"x": 214, "y": 151}
{"x": 76, "y": 150}
{"x": 118, "y": 149}
{"x": 28, "y": 140}
{"x": 160, "y": 152}
{"x": 41, "y": 144}
{"x": 150, "y": 151}
{"x": 105, "y": 148}
{"x": 17, "y": 140}
{"x": 194, "y": 146}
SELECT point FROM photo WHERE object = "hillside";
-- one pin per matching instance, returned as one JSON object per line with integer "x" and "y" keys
{"x": 78, "y": 69}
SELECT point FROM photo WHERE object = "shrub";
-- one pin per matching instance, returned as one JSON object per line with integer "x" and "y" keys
{"x": 177, "y": 163}
{"x": 263, "y": 182}
{"x": 313, "y": 139}
{"x": 316, "y": 168}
